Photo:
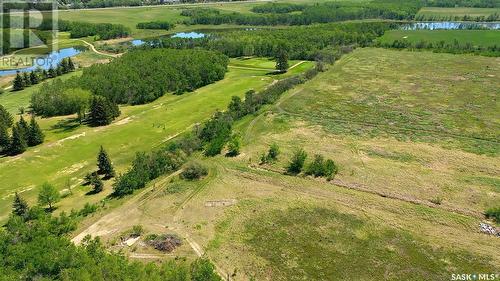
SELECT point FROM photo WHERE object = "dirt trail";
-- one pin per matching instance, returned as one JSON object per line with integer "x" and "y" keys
{"x": 105, "y": 225}
{"x": 92, "y": 47}
{"x": 408, "y": 199}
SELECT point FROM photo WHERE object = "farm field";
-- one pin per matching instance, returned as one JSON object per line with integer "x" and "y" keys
{"x": 72, "y": 148}
{"x": 475, "y": 37}
{"x": 458, "y": 11}
{"x": 412, "y": 205}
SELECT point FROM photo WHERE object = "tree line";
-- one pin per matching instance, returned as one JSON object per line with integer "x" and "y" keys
{"x": 165, "y": 25}
{"x": 26, "y": 79}
{"x": 278, "y": 8}
{"x": 319, "y": 167}
{"x": 104, "y": 31}
{"x": 454, "y": 47}
{"x": 210, "y": 137}
{"x": 463, "y": 3}
{"x": 16, "y": 137}
{"x": 301, "y": 42}
{"x": 310, "y": 14}
{"x": 35, "y": 245}
{"x": 137, "y": 77}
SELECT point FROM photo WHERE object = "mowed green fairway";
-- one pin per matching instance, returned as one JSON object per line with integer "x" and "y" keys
{"x": 459, "y": 11}
{"x": 69, "y": 153}
{"x": 475, "y": 37}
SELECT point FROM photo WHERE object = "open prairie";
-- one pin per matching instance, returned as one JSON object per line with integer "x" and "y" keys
{"x": 411, "y": 206}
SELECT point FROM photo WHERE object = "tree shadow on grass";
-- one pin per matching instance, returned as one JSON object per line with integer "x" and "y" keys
{"x": 66, "y": 125}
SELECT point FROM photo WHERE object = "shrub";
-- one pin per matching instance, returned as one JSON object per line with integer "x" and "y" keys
{"x": 316, "y": 168}
{"x": 494, "y": 214}
{"x": 297, "y": 162}
{"x": 194, "y": 171}
{"x": 234, "y": 146}
{"x": 137, "y": 230}
{"x": 87, "y": 209}
{"x": 330, "y": 169}
{"x": 273, "y": 152}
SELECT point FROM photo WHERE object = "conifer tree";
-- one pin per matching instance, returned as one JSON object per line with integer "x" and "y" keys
{"x": 18, "y": 83}
{"x": 97, "y": 184}
{"x": 34, "y": 78}
{"x": 104, "y": 164}
{"x": 5, "y": 117}
{"x": 4, "y": 139}
{"x": 27, "y": 80}
{"x": 51, "y": 73}
{"x": 24, "y": 128}
{"x": 64, "y": 66}
{"x": 71, "y": 65}
{"x": 35, "y": 134}
{"x": 18, "y": 143}
{"x": 19, "y": 206}
{"x": 102, "y": 112}
{"x": 282, "y": 60}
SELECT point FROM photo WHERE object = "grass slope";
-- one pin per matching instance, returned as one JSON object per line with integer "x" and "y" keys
{"x": 375, "y": 221}
{"x": 458, "y": 11}
{"x": 70, "y": 150}
{"x": 476, "y": 37}
{"x": 376, "y": 92}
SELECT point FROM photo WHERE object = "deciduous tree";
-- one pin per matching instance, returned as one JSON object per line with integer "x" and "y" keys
{"x": 48, "y": 196}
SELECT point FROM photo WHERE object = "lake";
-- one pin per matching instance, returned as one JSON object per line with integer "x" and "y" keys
{"x": 451, "y": 25}
{"x": 44, "y": 61}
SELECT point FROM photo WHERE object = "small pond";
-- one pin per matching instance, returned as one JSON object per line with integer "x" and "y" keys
{"x": 189, "y": 35}
{"x": 42, "y": 61}
{"x": 449, "y": 25}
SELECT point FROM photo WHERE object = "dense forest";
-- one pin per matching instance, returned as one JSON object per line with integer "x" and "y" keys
{"x": 34, "y": 245}
{"x": 135, "y": 78}
{"x": 104, "y": 31}
{"x": 304, "y": 42}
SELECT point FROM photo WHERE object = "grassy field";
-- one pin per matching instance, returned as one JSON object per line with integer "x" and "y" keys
{"x": 454, "y": 107}
{"x": 459, "y": 11}
{"x": 476, "y": 37}
{"x": 398, "y": 209}
{"x": 69, "y": 150}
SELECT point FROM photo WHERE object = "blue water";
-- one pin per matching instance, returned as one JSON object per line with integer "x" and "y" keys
{"x": 44, "y": 61}
{"x": 137, "y": 42}
{"x": 447, "y": 25}
{"x": 191, "y": 35}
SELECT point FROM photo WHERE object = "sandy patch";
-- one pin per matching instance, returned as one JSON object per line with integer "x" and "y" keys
{"x": 73, "y": 137}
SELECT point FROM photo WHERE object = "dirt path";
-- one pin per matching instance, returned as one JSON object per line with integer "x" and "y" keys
{"x": 104, "y": 225}
{"x": 408, "y": 199}
{"x": 252, "y": 68}
{"x": 92, "y": 47}
{"x": 297, "y": 64}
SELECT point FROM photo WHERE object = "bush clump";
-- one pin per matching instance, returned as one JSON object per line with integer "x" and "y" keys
{"x": 494, "y": 214}
{"x": 194, "y": 171}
